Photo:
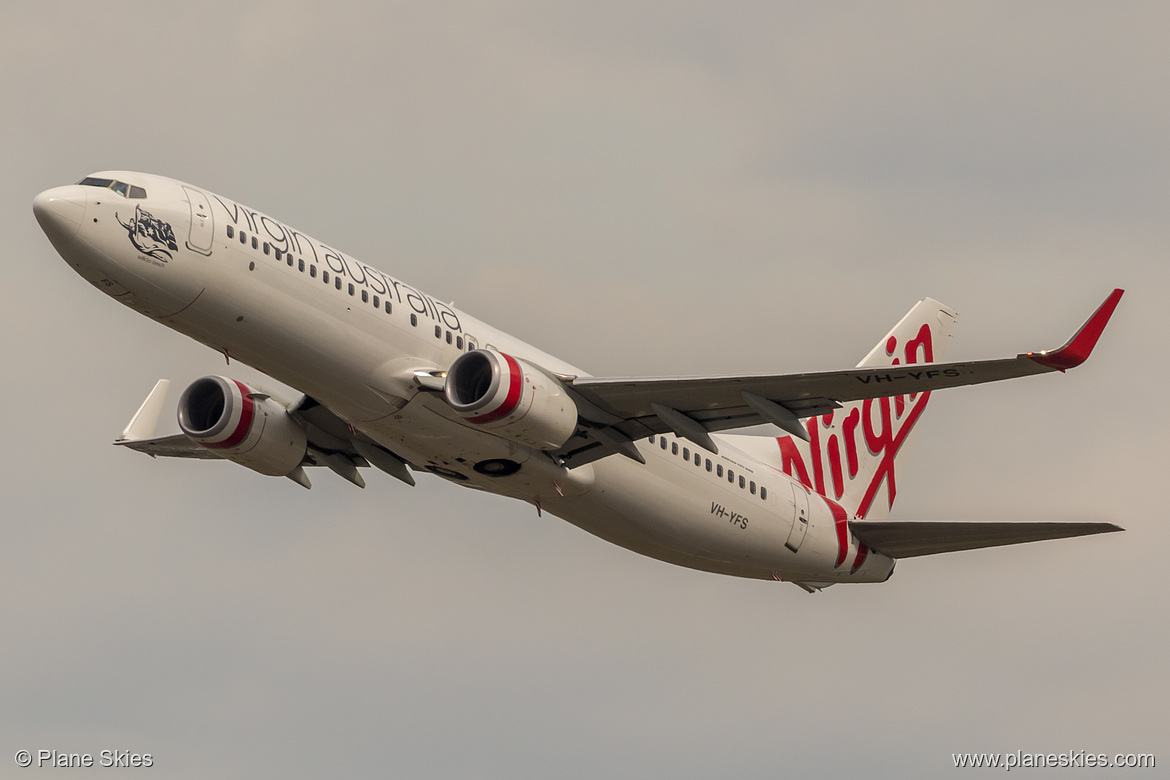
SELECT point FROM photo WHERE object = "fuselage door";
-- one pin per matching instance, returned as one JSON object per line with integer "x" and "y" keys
{"x": 202, "y": 225}
{"x": 799, "y": 518}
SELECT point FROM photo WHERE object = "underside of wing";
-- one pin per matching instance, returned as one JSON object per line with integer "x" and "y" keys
{"x": 176, "y": 446}
{"x": 618, "y": 411}
{"x": 904, "y": 539}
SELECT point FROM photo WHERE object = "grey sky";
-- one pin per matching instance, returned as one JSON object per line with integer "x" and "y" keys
{"x": 638, "y": 188}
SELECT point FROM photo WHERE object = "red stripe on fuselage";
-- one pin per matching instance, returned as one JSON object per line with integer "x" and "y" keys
{"x": 841, "y": 526}
{"x": 862, "y": 552}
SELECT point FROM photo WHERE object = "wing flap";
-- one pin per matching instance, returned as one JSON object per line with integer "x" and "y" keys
{"x": 906, "y": 539}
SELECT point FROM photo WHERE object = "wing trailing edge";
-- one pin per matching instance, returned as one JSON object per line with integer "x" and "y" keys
{"x": 632, "y": 406}
{"x": 907, "y": 539}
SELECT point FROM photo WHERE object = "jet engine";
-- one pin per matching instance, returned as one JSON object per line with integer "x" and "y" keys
{"x": 242, "y": 425}
{"x": 514, "y": 400}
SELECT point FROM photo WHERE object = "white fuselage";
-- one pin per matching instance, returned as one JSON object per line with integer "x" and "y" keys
{"x": 353, "y": 338}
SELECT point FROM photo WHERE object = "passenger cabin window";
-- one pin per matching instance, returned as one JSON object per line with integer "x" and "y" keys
{"x": 231, "y": 231}
{"x": 313, "y": 271}
{"x": 458, "y": 342}
{"x": 337, "y": 282}
{"x": 413, "y": 320}
{"x": 387, "y": 307}
{"x": 763, "y": 493}
{"x": 674, "y": 448}
{"x": 255, "y": 243}
{"x": 438, "y": 332}
{"x": 325, "y": 277}
{"x": 351, "y": 289}
{"x": 448, "y": 337}
{"x": 301, "y": 264}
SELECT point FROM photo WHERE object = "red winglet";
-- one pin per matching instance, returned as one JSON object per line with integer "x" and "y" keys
{"x": 1078, "y": 348}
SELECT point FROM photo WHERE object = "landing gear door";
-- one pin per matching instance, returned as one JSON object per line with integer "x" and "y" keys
{"x": 799, "y": 518}
{"x": 202, "y": 225}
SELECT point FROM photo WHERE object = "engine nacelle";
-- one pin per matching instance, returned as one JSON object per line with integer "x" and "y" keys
{"x": 242, "y": 425}
{"x": 515, "y": 400}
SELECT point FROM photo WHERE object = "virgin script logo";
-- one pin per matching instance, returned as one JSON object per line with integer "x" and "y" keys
{"x": 859, "y": 442}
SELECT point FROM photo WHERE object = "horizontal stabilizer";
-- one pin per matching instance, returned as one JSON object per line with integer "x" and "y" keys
{"x": 899, "y": 539}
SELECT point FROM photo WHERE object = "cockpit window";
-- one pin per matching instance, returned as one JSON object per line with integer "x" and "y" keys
{"x": 120, "y": 187}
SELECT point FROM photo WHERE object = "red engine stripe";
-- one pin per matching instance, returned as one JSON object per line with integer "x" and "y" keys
{"x": 512, "y": 400}
{"x": 247, "y": 412}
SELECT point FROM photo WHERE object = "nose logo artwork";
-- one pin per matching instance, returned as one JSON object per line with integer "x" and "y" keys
{"x": 150, "y": 235}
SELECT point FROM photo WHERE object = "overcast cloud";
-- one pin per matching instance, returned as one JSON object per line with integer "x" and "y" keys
{"x": 640, "y": 189}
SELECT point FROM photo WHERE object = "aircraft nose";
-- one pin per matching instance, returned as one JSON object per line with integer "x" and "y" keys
{"x": 60, "y": 210}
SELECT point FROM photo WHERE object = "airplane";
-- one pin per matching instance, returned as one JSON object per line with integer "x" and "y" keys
{"x": 394, "y": 379}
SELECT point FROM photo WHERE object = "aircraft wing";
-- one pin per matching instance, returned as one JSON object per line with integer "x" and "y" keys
{"x": 332, "y": 443}
{"x": 616, "y": 412}
{"x": 903, "y": 539}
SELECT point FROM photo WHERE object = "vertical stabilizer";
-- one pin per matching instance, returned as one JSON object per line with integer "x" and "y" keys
{"x": 852, "y": 453}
